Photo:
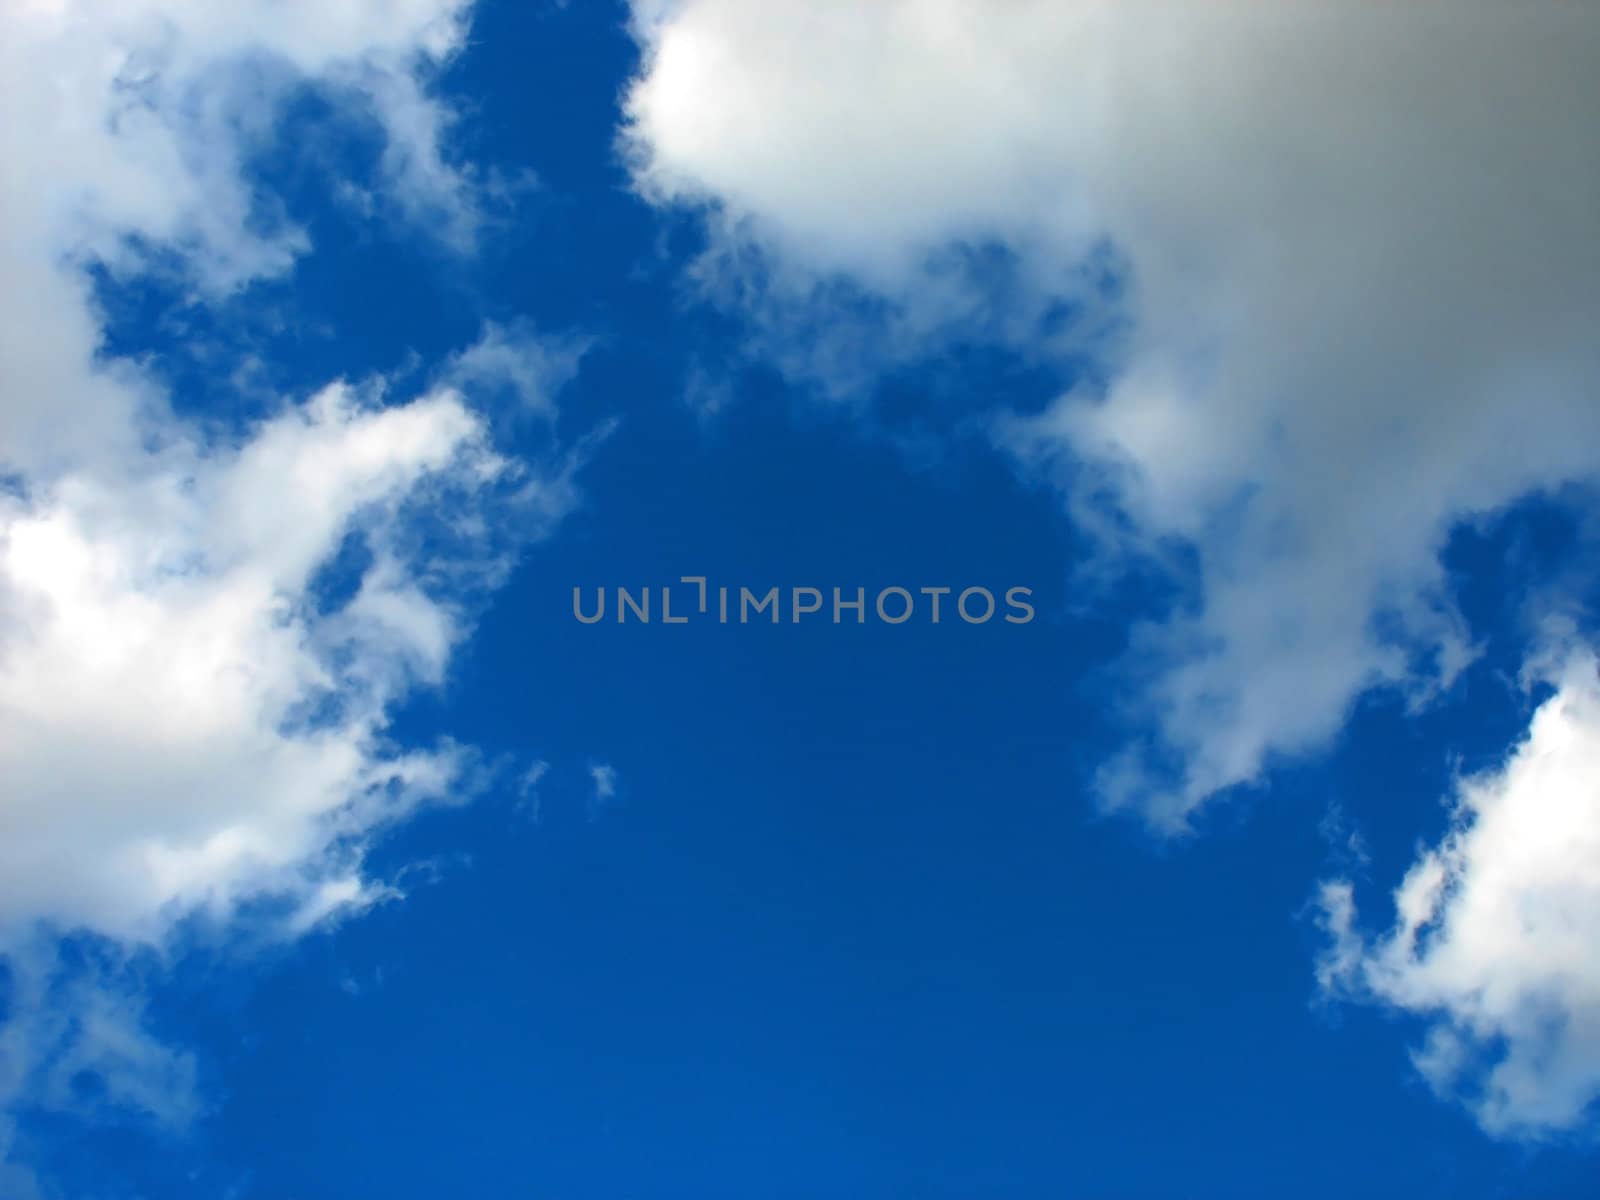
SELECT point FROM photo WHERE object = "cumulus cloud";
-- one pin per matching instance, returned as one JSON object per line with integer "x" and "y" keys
{"x": 187, "y": 716}
{"x": 1493, "y": 942}
{"x": 1356, "y": 252}
{"x": 129, "y": 129}
{"x": 203, "y": 634}
{"x": 185, "y": 722}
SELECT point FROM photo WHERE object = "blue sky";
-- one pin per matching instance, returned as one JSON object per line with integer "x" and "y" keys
{"x": 339, "y": 858}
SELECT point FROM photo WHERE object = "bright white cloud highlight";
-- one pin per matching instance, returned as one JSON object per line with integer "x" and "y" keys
{"x": 1361, "y": 248}
{"x": 1494, "y": 940}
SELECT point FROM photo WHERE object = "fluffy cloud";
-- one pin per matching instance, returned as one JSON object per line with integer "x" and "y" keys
{"x": 129, "y": 129}
{"x": 1354, "y": 277}
{"x": 203, "y": 634}
{"x": 1357, "y": 251}
{"x": 1494, "y": 935}
{"x": 183, "y": 721}
{"x": 187, "y": 718}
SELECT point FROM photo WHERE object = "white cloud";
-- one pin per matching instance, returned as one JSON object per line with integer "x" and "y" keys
{"x": 129, "y": 125}
{"x": 532, "y": 366}
{"x": 203, "y": 635}
{"x": 1360, "y": 253}
{"x": 1494, "y": 941}
{"x": 183, "y": 723}
{"x": 531, "y": 777}
{"x": 74, "y": 1041}
{"x": 182, "y": 726}
{"x": 604, "y": 778}
{"x": 89, "y": 1023}
{"x": 529, "y": 802}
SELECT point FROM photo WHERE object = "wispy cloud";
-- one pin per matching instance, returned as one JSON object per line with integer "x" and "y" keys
{"x": 604, "y": 778}
{"x": 529, "y": 801}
